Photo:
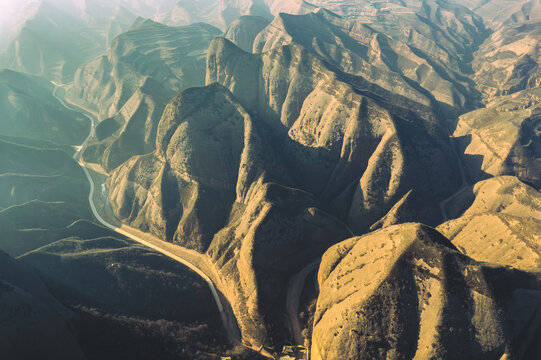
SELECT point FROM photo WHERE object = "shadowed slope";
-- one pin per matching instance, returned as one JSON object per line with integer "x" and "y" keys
{"x": 32, "y": 322}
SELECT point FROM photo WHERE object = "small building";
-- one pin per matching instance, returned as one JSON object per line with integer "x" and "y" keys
{"x": 288, "y": 353}
{"x": 293, "y": 353}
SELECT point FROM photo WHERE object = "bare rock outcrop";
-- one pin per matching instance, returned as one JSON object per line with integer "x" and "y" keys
{"x": 504, "y": 138}
{"x": 353, "y": 144}
{"x": 213, "y": 184}
{"x": 406, "y": 292}
{"x": 500, "y": 223}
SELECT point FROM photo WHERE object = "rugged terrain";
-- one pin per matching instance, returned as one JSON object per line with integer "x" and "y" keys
{"x": 407, "y": 292}
{"x": 346, "y": 114}
{"x": 129, "y": 88}
{"x": 393, "y": 148}
{"x": 503, "y": 138}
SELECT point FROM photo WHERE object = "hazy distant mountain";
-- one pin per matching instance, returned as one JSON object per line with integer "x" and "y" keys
{"x": 13, "y": 15}
{"x": 33, "y": 323}
{"x": 30, "y": 111}
{"x": 221, "y": 13}
{"x": 359, "y": 177}
{"x": 52, "y": 44}
{"x": 243, "y": 31}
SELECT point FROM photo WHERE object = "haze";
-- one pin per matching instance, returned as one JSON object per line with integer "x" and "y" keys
{"x": 270, "y": 179}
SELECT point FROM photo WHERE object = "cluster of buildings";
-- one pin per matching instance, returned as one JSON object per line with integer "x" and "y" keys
{"x": 293, "y": 353}
{"x": 288, "y": 353}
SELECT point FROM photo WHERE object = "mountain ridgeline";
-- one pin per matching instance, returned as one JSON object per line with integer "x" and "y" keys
{"x": 390, "y": 152}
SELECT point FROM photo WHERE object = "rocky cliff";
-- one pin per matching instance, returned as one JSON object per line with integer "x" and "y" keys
{"x": 129, "y": 88}
{"x": 500, "y": 222}
{"x": 503, "y": 138}
{"x": 406, "y": 292}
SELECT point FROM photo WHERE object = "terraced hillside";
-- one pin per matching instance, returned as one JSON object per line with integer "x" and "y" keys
{"x": 360, "y": 179}
{"x": 130, "y": 87}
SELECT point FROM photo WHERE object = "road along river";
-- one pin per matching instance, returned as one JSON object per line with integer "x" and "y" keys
{"x": 174, "y": 252}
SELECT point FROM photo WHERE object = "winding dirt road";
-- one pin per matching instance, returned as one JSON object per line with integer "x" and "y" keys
{"x": 294, "y": 289}
{"x": 189, "y": 258}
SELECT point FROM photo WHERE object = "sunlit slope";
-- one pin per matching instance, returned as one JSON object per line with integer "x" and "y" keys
{"x": 284, "y": 143}
{"x": 504, "y": 138}
{"x": 342, "y": 138}
{"x": 500, "y": 222}
{"x": 508, "y": 61}
{"x": 418, "y": 67}
{"x": 406, "y": 292}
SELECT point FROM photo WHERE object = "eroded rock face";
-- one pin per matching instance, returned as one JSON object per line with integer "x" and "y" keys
{"x": 182, "y": 192}
{"x": 399, "y": 66}
{"x": 271, "y": 235}
{"x": 213, "y": 185}
{"x": 508, "y": 61}
{"x": 502, "y": 139}
{"x": 500, "y": 223}
{"x": 406, "y": 292}
{"x": 323, "y": 122}
{"x": 345, "y": 144}
{"x": 129, "y": 88}
{"x": 267, "y": 168}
